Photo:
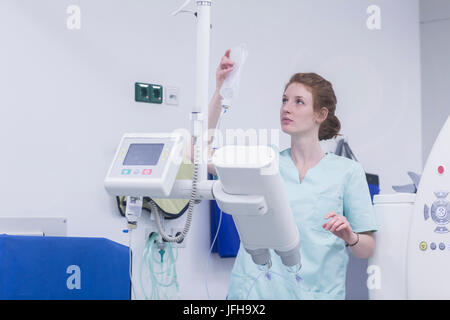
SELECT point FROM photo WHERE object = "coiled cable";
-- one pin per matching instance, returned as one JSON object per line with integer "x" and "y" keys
{"x": 190, "y": 209}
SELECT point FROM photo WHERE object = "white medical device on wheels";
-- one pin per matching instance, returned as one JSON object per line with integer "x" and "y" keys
{"x": 428, "y": 251}
{"x": 412, "y": 256}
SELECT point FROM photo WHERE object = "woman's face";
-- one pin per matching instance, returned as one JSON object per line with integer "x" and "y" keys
{"x": 297, "y": 114}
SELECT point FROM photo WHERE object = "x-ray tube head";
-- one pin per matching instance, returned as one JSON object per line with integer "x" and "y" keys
{"x": 250, "y": 188}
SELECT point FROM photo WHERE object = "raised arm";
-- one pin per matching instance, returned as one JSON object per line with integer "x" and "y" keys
{"x": 215, "y": 106}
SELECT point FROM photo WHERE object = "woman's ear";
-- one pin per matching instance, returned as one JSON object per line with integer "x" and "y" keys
{"x": 322, "y": 115}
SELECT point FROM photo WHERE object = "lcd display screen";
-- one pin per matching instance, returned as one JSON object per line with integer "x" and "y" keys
{"x": 143, "y": 154}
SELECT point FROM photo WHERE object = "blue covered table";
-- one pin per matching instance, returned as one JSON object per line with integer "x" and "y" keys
{"x": 63, "y": 268}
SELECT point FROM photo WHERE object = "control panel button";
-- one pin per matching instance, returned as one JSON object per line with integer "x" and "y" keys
{"x": 426, "y": 214}
{"x": 136, "y": 171}
{"x": 126, "y": 171}
{"x": 440, "y": 212}
{"x": 441, "y": 194}
{"x": 423, "y": 246}
{"x": 441, "y": 246}
{"x": 441, "y": 169}
{"x": 433, "y": 246}
{"x": 441, "y": 229}
{"x": 147, "y": 172}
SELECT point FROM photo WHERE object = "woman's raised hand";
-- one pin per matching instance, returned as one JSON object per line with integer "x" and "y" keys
{"x": 224, "y": 68}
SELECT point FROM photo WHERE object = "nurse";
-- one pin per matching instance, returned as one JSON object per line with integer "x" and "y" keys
{"x": 328, "y": 195}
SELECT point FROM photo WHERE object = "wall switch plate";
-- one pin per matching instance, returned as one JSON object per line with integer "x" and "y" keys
{"x": 172, "y": 96}
{"x": 150, "y": 93}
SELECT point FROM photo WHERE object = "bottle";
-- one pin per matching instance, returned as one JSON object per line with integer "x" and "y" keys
{"x": 230, "y": 86}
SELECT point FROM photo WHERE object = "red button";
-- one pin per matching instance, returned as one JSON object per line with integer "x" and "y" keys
{"x": 147, "y": 172}
{"x": 441, "y": 169}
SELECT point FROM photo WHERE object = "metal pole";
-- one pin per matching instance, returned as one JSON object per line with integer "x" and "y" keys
{"x": 199, "y": 115}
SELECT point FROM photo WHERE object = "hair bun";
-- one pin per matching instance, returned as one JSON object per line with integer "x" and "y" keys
{"x": 330, "y": 128}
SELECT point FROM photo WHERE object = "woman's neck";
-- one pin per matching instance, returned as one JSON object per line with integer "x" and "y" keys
{"x": 306, "y": 150}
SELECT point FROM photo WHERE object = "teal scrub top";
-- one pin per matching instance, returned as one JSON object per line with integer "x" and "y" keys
{"x": 335, "y": 184}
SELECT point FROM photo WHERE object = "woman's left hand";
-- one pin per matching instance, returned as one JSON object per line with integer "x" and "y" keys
{"x": 340, "y": 227}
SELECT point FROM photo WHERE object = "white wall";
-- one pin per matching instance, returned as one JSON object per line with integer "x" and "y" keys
{"x": 67, "y": 97}
{"x": 435, "y": 27}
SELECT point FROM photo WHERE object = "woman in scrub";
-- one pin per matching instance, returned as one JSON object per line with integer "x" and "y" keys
{"x": 328, "y": 195}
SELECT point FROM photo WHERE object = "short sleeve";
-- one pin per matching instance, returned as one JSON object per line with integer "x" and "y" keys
{"x": 358, "y": 208}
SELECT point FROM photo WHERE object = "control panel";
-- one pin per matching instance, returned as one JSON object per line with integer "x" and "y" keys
{"x": 145, "y": 165}
{"x": 438, "y": 215}
{"x": 440, "y": 210}
{"x": 428, "y": 254}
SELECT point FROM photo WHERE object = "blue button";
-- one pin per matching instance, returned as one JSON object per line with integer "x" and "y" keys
{"x": 126, "y": 171}
{"x": 441, "y": 246}
{"x": 433, "y": 246}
